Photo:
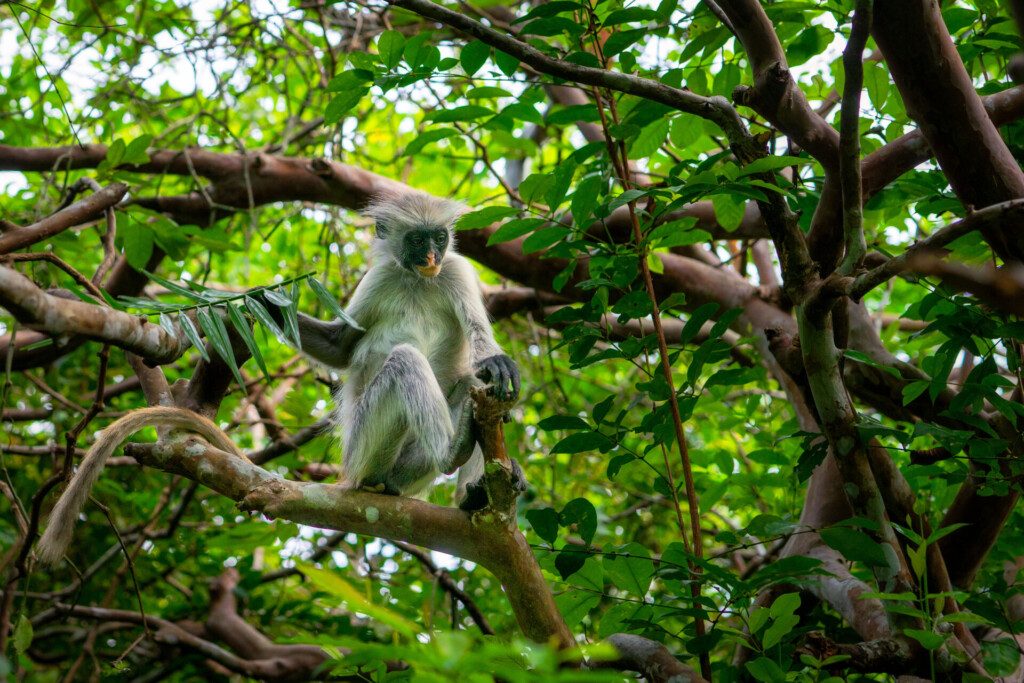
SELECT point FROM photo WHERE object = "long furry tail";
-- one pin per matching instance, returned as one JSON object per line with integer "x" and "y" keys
{"x": 59, "y": 529}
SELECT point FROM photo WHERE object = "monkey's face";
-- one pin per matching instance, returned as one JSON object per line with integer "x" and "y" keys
{"x": 423, "y": 250}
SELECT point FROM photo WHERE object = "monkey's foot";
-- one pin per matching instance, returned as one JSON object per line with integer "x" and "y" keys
{"x": 381, "y": 488}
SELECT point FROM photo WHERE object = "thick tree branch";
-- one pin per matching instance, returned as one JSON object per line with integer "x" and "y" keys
{"x": 939, "y": 94}
{"x": 33, "y": 307}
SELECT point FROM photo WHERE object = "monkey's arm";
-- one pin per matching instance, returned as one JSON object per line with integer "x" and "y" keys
{"x": 330, "y": 343}
{"x": 489, "y": 361}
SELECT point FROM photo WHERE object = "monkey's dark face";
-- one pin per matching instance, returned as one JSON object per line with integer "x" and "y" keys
{"x": 423, "y": 250}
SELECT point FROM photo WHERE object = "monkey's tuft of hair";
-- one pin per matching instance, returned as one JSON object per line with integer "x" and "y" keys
{"x": 398, "y": 212}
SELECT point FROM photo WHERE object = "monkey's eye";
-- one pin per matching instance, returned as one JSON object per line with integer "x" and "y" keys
{"x": 417, "y": 240}
{"x": 441, "y": 237}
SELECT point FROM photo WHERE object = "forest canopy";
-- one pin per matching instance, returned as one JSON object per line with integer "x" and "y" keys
{"x": 760, "y": 266}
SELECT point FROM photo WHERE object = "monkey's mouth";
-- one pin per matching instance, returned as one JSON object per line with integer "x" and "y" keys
{"x": 429, "y": 271}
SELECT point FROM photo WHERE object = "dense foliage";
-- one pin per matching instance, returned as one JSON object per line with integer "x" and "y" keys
{"x": 554, "y": 174}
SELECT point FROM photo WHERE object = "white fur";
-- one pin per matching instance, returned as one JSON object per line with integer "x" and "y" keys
{"x": 410, "y": 372}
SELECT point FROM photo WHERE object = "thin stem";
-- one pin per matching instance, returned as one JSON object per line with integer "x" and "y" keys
{"x": 849, "y": 139}
{"x": 618, "y": 159}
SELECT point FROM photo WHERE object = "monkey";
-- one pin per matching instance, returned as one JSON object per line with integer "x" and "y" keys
{"x": 59, "y": 528}
{"x": 423, "y": 341}
{"x": 405, "y": 411}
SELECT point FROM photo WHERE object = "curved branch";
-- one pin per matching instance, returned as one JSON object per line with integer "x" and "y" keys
{"x": 76, "y": 214}
{"x": 650, "y": 659}
{"x": 484, "y": 539}
{"x": 715, "y": 109}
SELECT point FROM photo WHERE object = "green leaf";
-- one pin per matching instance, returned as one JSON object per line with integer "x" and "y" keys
{"x": 625, "y": 198}
{"x": 331, "y": 304}
{"x": 576, "y": 604}
{"x": 217, "y": 335}
{"x": 876, "y": 80}
{"x": 1001, "y": 657}
{"x": 467, "y": 112}
{"x": 342, "y": 103}
{"x": 684, "y": 131}
{"x": 428, "y": 137}
{"x": 580, "y": 512}
{"x": 486, "y": 92}
{"x": 585, "y": 199}
{"x": 506, "y": 62}
{"x": 581, "y": 442}
{"x": 555, "y": 422}
{"x": 563, "y": 176}
{"x": 562, "y": 116}
{"x": 914, "y": 389}
{"x": 621, "y": 40}
{"x": 779, "y": 629}
{"x": 568, "y": 562}
{"x": 115, "y": 153}
{"x": 289, "y": 308}
{"x": 855, "y": 545}
{"x": 772, "y": 163}
{"x": 135, "y": 152}
{"x": 549, "y": 9}
{"x": 928, "y": 639}
{"x": 193, "y": 335}
{"x": 544, "y": 238}
{"x": 729, "y": 210}
{"x": 136, "y": 239}
{"x": 350, "y": 80}
{"x": 174, "y": 287}
{"x": 389, "y": 47}
{"x": 630, "y": 568}
{"x": 628, "y": 15}
{"x": 355, "y": 599}
{"x": 260, "y": 312}
{"x": 473, "y": 56}
{"x": 552, "y": 26}
{"x": 535, "y": 186}
{"x": 241, "y": 326}
{"x": 758, "y": 619}
{"x": 544, "y": 522}
{"x": 649, "y": 140}
{"x": 482, "y": 218}
{"x": 765, "y": 670}
{"x": 23, "y": 634}
{"x": 678, "y": 233}
{"x": 514, "y": 229}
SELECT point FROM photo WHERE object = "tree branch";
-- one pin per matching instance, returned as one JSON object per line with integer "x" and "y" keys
{"x": 33, "y": 307}
{"x": 80, "y": 212}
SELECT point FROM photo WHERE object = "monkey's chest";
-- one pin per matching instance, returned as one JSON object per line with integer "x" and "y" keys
{"x": 429, "y": 324}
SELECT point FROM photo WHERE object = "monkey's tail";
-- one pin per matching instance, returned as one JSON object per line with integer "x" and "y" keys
{"x": 59, "y": 529}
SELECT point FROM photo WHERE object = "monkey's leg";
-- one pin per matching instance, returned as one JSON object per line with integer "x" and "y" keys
{"x": 401, "y": 424}
{"x": 461, "y": 406}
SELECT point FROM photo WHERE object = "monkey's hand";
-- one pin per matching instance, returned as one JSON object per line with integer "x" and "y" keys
{"x": 259, "y": 296}
{"x": 501, "y": 373}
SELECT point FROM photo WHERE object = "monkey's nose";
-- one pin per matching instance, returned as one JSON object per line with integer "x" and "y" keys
{"x": 431, "y": 268}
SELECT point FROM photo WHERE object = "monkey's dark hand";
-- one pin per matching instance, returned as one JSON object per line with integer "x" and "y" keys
{"x": 501, "y": 373}
{"x": 476, "y": 492}
{"x": 259, "y": 296}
